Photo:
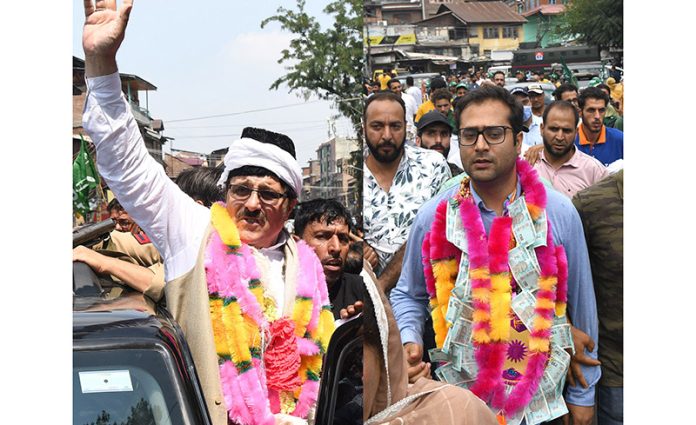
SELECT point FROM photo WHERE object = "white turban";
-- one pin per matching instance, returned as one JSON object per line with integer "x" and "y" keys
{"x": 247, "y": 151}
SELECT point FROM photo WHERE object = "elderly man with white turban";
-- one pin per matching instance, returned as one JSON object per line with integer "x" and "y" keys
{"x": 252, "y": 303}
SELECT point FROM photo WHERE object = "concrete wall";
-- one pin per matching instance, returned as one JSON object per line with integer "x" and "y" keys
{"x": 499, "y": 43}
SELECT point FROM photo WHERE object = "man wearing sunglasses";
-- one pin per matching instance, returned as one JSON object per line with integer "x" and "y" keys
{"x": 237, "y": 284}
{"x": 489, "y": 122}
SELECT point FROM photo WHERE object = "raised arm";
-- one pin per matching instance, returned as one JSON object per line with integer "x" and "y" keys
{"x": 102, "y": 35}
{"x": 173, "y": 221}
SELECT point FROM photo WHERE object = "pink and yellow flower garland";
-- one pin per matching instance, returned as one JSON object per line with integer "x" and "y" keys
{"x": 285, "y": 377}
{"x": 491, "y": 290}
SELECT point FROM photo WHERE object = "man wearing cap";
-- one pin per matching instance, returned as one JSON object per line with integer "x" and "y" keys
{"x": 435, "y": 133}
{"x": 533, "y": 123}
{"x": 520, "y": 76}
{"x": 435, "y": 83}
{"x": 536, "y": 97}
{"x": 261, "y": 364}
{"x": 453, "y": 87}
{"x": 462, "y": 89}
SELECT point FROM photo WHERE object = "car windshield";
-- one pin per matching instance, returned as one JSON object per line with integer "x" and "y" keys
{"x": 124, "y": 387}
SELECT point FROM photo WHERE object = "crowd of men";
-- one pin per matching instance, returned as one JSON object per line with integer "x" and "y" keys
{"x": 544, "y": 182}
{"x": 575, "y": 149}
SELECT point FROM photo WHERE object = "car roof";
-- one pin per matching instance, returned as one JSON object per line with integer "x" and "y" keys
{"x": 544, "y": 86}
{"x": 130, "y": 314}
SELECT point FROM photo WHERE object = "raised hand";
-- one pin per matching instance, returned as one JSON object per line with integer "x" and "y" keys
{"x": 103, "y": 33}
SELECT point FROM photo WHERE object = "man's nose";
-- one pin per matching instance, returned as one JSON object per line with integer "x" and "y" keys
{"x": 386, "y": 134}
{"x": 333, "y": 245}
{"x": 481, "y": 143}
{"x": 253, "y": 202}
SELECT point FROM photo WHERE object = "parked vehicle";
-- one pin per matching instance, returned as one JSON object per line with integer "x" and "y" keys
{"x": 132, "y": 365}
{"x": 419, "y": 78}
{"x": 544, "y": 58}
{"x": 547, "y": 87}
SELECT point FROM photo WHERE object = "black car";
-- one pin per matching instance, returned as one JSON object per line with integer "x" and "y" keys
{"x": 131, "y": 363}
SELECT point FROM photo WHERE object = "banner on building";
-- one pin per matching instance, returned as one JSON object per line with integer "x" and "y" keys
{"x": 398, "y": 39}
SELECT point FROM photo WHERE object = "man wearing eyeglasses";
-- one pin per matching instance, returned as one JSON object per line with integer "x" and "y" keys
{"x": 489, "y": 121}
{"x": 234, "y": 261}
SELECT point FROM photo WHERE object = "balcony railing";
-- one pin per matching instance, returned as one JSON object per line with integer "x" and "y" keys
{"x": 141, "y": 115}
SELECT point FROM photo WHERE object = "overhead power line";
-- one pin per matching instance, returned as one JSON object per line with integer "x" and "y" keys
{"x": 243, "y": 125}
{"x": 242, "y": 112}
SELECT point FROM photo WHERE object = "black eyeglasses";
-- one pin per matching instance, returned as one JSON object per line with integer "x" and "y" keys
{"x": 493, "y": 135}
{"x": 241, "y": 192}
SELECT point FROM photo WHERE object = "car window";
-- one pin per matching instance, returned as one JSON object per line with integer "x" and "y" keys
{"x": 124, "y": 387}
{"x": 349, "y": 406}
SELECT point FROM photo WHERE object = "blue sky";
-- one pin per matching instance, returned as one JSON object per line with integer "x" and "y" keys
{"x": 212, "y": 59}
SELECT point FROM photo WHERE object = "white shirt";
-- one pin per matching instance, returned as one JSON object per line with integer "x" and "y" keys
{"x": 173, "y": 221}
{"x": 387, "y": 216}
{"x": 533, "y": 136}
{"x": 415, "y": 92}
{"x": 411, "y": 107}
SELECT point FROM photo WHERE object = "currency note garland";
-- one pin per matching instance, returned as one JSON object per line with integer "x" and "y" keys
{"x": 491, "y": 290}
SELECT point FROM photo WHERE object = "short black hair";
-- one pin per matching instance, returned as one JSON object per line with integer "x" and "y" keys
{"x": 114, "y": 205}
{"x": 437, "y": 83}
{"x": 563, "y": 104}
{"x": 604, "y": 86}
{"x": 200, "y": 183}
{"x": 409, "y": 81}
{"x": 266, "y": 136}
{"x": 565, "y": 87}
{"x": 384, "y": 95}
{"x": 498, "y": 72}
{"x": 322, "y": 210}
{"x": 592, "y": 93}
{"x": 441, "y": 94}
{"x": 489, "y": 92}
{"x": 393, "y": 80}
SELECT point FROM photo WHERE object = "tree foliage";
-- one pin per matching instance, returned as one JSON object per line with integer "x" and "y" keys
{"x": 596, "y": 22}
{"x": 325, "y": 62}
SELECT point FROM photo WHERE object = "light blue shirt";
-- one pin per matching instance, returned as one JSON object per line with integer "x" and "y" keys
{"x": 409, "y": 298}
{"x": 533, "y": 136}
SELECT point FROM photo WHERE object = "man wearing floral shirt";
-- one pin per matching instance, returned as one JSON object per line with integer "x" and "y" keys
{"x": 398, "y": 179}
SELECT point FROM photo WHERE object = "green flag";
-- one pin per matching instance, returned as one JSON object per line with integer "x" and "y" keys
{"x": 85, "y": 182}
{"x": 568, "y": 74}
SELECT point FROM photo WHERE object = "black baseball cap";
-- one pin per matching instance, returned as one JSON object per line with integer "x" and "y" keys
{"x": 432, "y": 117}
{"x": 519, "y": 90}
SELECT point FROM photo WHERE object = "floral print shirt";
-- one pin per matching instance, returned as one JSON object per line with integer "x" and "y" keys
{"x": 387, "y": 216}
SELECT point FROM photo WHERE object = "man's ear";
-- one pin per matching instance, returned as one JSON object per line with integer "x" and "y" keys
{"x": 518, "y": 142}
